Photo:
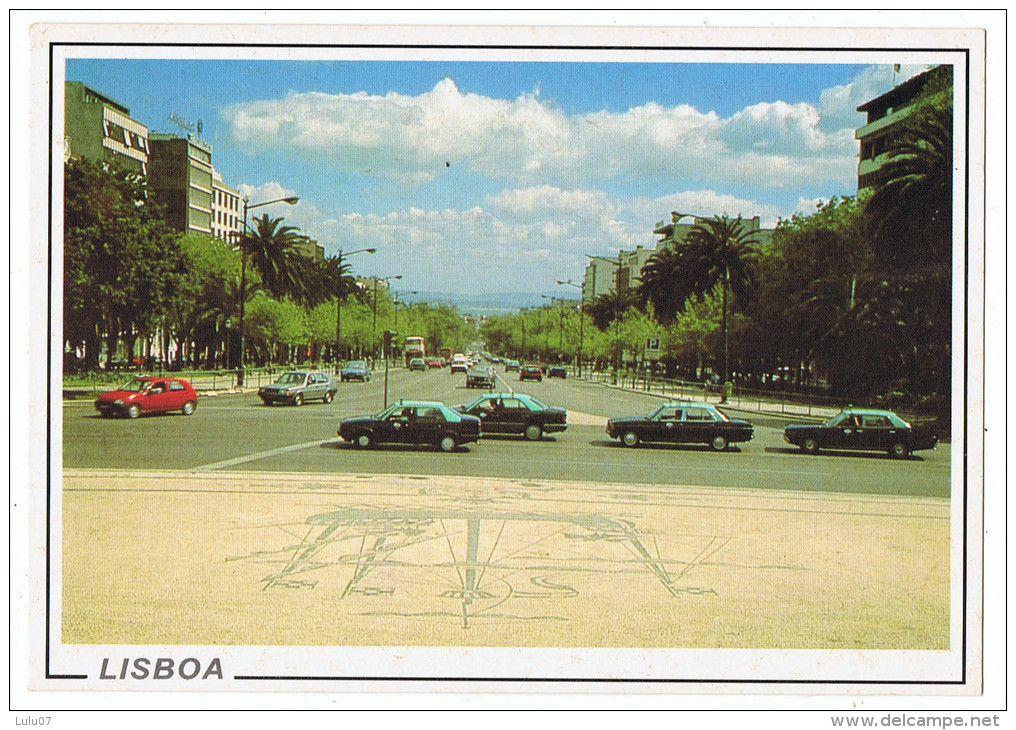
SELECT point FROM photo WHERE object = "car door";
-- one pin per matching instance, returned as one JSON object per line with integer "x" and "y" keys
{"x": 426, "y": 425}
{"x": 490, "y": 414}
{"x": 697, "y": 425}
{"x": 394, "y": 428}
{"x": 512, "y": 416}
{"x": 876, "y": 432}
{"x": 665, "y": 426}
{"x": 158, "y": 397}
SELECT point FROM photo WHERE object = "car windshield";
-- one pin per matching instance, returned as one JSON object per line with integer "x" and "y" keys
{"x": 835, "y": 420}
{"x": 290, "y": 379}
{"x": 135, "y": 386}
{"x": 356, "y": 365}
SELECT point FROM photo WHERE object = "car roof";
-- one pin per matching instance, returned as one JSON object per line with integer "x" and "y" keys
{"x": 686, "y": 403}
{"x": 420, "y": 403}
{"x": 868, "y": 411}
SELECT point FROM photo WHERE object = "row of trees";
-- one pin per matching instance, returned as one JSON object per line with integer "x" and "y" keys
{"x": 854, "y": 298}
{"x": 133, "y": 286}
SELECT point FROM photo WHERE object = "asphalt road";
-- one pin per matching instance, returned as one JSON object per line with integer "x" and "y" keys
{"x": 238, "y": 433}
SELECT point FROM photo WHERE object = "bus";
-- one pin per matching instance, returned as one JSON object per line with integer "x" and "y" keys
{"x": 414, "y": 348}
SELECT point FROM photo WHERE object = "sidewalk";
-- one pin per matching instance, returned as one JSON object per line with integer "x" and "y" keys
{"x": 353, "y": 560}
{"x": 736, "y": 402}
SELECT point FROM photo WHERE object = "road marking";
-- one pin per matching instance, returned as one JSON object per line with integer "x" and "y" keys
{"x": 255, "y": 457}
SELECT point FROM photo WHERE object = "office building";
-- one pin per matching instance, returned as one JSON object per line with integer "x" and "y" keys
{"x": 180, "y": 178}
{"x": 100, "y": 129}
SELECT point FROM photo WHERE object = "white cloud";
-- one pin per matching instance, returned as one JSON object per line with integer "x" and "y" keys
{"x": 838, "y": 104}
{"x": 521, "y": 239}
{"x": 416, "y": 139}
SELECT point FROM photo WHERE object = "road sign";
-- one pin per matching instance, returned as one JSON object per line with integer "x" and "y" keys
{"x": 652, "y": 351}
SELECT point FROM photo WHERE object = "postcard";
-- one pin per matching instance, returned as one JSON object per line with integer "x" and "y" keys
{"x": 507, "y": 359}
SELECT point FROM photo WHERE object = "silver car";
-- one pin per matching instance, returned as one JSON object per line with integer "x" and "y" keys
{"x": 298, "y": 386}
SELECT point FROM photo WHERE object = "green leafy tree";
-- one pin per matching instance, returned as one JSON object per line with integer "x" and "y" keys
{"x": 121, "y": 260}
{"x": 717, "y": 251}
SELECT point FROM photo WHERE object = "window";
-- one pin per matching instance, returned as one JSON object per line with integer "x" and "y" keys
{"x": 697, "y": 414}
{"x": 875, "y": 422}
{"x": 173, "y": 385}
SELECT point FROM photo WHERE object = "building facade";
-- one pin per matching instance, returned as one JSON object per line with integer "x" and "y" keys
{"x": 885, "y": 114}
{"x": 600, "y": 278}
{"x": 180, "y": 178}
{"x": 227, "y": 209}
{"x": 100, "y": 129}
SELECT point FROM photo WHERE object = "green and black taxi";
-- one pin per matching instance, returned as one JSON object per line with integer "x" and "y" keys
{"x": 681, "y": 422}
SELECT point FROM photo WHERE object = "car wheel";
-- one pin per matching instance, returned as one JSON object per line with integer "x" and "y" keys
{"x": 189, "y": 407}
{"x": 898, "y": 451}
{"x": 364, "y": 441}
{"x": 809, "y": 446}
{"x": 448, "y": 443}
{"x": 266, "y": 401}
{"x": 719, "y": 443}
{"x": 133, "y": 411}
{"x": 298, "y": 400}
{"x": 328, "y": 396}
{"x": 630, "y": 439}
{"x": 533, "y": 432}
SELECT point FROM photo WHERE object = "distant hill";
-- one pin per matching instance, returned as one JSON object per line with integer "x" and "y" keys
{"x": 486, "y": 304}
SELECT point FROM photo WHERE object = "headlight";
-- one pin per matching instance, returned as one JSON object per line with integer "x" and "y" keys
{"x": 118, "y": 402}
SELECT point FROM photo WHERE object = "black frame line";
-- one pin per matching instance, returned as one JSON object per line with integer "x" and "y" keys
{"x": 965, "y": 52}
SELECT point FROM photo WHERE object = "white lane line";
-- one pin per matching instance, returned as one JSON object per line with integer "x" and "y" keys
{"x": 254, "y": 457}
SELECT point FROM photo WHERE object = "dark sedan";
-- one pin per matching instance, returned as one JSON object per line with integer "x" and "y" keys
{"x": 516, "y": 413}
{"x": 556, "y": 371}
{"x": 681, "y": 422}
{"x": 531, "y": 372}
{"x": 480, "y": 376}
{"x": 412, "y": 422}
{"x": 355, "y": 370}
{"x": 863, "y": 429}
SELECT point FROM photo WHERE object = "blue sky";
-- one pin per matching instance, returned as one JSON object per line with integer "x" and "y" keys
{"x": 475, "y": 177}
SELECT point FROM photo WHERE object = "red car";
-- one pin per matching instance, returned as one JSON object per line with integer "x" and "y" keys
{"x": 148, "y": 394}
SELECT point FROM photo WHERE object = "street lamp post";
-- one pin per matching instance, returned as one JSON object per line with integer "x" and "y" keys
{"x": 339, "y": 296}
{"x": 560, "y": 329}
{"x": 396, "y": 303}
{"x": 582, "y": 318}
{"x": 617, "y": 314}
{"x": 373, "y": 321}
{"x": 293, "y": 200}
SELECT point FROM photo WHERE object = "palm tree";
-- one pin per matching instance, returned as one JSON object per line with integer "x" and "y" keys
{"x": 273, "y": 253}
{"x": 717, "y": 251}
{"x": 910, "y": 213}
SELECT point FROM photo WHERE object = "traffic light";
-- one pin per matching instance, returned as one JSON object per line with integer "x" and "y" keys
{"x": 388, "y": 335}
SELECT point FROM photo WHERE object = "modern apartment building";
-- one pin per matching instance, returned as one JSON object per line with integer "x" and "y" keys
{"x": 310, "y": 248}
{"x": 227, "y": 209}
{"x": 600, "y": 278}
{"x": 180, "y": 177}
{"x": 885, "y": 115}
{"x": 602, "y": 275}
{"x": 99, "y": 128}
